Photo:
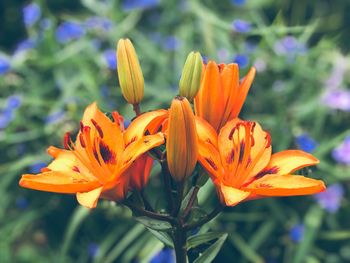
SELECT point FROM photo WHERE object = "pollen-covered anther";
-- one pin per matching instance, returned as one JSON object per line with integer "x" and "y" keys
{"x": 67, "y": 141}
{"x": 98, "y": 128}
{"x": 81, "y": 126}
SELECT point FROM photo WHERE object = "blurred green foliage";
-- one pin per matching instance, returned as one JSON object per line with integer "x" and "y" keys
{"x": 300, "y": 51}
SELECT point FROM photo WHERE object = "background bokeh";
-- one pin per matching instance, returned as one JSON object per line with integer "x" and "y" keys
{"x": 58, "y": 56}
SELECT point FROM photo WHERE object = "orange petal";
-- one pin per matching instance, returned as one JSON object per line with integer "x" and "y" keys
{"x": 286, "y": 162}
{"x": 209, "y": 157}
{"x": 58, "y": 182}
{"x": 89, "y": 199}
{"x": 64, "y": 160}
{"x": 135, "y": 149}
{"x": 209, "y": 101}
{"x": 206, "y": 132}
{"x": 138, "y": 127}
{"x": 140, "y": 170}
{"x": 232, "y": 196}
{"x": 285, "y": 185}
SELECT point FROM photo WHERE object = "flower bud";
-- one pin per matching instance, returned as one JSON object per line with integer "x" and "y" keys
{"x": 191, "y": 76}
{"x": 182, "y": 142}
{"x": 129, "y": 72}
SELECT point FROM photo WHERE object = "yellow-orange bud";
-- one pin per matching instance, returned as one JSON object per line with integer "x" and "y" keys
{"x": 191, "y": 76}
{"x": 182, "y": 142}
{"x": 129, "y": 72}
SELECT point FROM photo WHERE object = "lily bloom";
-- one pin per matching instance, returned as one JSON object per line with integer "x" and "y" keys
{"x": 96, "y": 164}
{"x": 222, "y": 95}
{"x": 240, "y": 163}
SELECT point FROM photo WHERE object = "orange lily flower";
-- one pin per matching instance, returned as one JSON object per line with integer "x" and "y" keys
{"x": 241, "y": 165}
{"x": 222, "y": 95}
{"x": 96, "y": 165}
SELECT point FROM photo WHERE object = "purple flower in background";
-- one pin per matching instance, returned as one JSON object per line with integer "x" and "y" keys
{"x": 296, "y": 233}
{"x": 171, "y": 43}
{"x": 242, "y": 60}
{"x": 110, "y": 58}
{"x": 4, "y": 65}
{"x": 129, "y": 5}
{"x": 337, "y": 99}
{"x": 342, "y": 153}
{"x": 98, "y": 23}
{"x": 36, "y": 167}
{"x": 5, "y": 118}
{"x": 93, "y": 250}
{"x": 205, "y": 59}
{"x": 68, "y": 31}
{"x": 238, "y": 2}
{"x": 290, "y": 46}
{"x": 126, "y": 123}
{"x": 31, "y": 14}
{"x": 26, "y": 45}
{"x": 166, "y": 255}
{"x": 13, "y": 102}
{"x": 22, "y": 203}
{"x": 55, "y": 117}
{"x": 241, "y": 26}
{"x": 223, "y": 54}
{"x": 306, "y": 143}
{"x": 330, "y": 199}
{"x": 260, "y": 64}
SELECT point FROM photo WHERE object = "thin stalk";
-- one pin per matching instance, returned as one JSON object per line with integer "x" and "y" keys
{"x": 149, "y": 214}
{"x": 136, "y": 108}
{"x": 167, "y": 184}
{"x": 180, "y": 191}
{"x": 190, "y": 202}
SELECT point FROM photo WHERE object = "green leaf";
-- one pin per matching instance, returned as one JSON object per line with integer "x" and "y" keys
{"x": 196, "y": 240}
{"x": 153, "y": 223}
{"x": 210, "y": 253}
{"x": 187, "y": 198}
{"x": 163, "y": 237}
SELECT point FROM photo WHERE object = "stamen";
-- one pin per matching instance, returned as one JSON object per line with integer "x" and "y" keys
{"x": 98, "y": 128}
{"x": 81, "y": 139}
{"x": 66, "y": 141}
{"x": 81, "y": 126}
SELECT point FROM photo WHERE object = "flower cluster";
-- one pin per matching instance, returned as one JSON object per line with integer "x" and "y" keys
{"x": 190, "y": 142}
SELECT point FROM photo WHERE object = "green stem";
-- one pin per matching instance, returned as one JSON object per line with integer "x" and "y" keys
{"x": 167, "y": 184}
{"x": 179, "y": 196}
{"x": 180, "y": 244}
{"x": 136, "y": 108}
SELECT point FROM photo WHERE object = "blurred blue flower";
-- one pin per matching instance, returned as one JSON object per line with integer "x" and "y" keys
{"x": 223, "y": 54}
{"x": 26, "y": 45}
{"x": 36, "y": 167}
{"x": 55, "y": 117}
{"x": 205, "y": 59}
{"x": 330, "y": 199}
{"x": 96, "y": 43}
{"x": 98, "y": 23}
{"x": 93, "y": 250}
{"x": 4, "y": 65}
{"x": 337, "y": 99}
{"x": 241, "y": 26}
{"x": 166, "y": 255}
{"x": 342, "y": 153}
{"x": 22, "y": 203}
{"x": 290, "y": 46}
{"x": 242, "y": 60}
{"x": 306, "y": 143}
{"x": 129, "y": 5}
{"x": 296, "y": 233}
{"x": 13, "y": 102}
{"x": 5, "y": 118}
{"x": 68, "y": 31}
{"x": 238, "y": 2}
{"x": 126, "y": 123}
{"x": 31, "y": 14}
{"x": 171, "y": 43}
{"x": 110, "y": 58}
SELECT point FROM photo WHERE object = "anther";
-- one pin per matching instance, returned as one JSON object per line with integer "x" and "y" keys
{"x": 81, "y": 139}
{"x": 66, "y": 140}
{"x": 81, "y": 126}
{"x": 98, "y": 128}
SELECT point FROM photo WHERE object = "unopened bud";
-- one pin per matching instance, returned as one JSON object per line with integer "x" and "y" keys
{"x": 129, "y": 72}
{"x": 182, "y": 142}
{"x": 191, "y": 76}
